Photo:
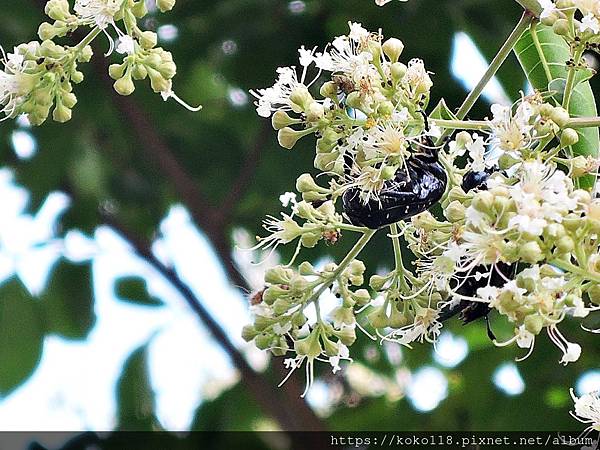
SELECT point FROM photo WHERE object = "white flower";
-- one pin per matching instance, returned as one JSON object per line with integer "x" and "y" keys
{"x": 511, "y": 133}
{"x": 288, "y": 198}
{"x": 590, "y": 22}
{"x": 587, "y": 409}
{"x": 425, "y": 327}
{"x": 15, "y": 84}
{"x": 571, "y": 351}
{"x": 100, "y": 13}
{"x": 526, "y": 224}
{"x": 476, "y": 150}
{"x": 548, "y": 7}
{"x": 488, "y": 293}
{"x": 357, "y": 32}
{"x": 343, "y": 354}
{"x": 385, "y": 2}
{"x": 417, "y": 77}
{"x": 126, "y": 45}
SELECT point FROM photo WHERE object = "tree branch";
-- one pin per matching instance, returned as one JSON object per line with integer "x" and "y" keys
{"x": 292, "y": 414}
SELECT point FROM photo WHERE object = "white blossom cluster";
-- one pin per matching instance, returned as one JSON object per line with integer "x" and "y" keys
{"x": 365, "y": 116}
{"x": 38, "y": 76}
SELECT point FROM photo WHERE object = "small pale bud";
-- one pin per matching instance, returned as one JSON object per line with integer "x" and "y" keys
{"x": 534, "y": 324}
{"x": 306, "y": 183}
{"x": 398, "y": 70}
{"x": 561, "y": 27}
{"x": 455, "y": 211}
{"x": 565, "y": 244}
{"x": 329, "y": 90}
{"x": 393, "y": 48}
{"x": 569, "y": 137}
{"x": 148, "y": 40}
{"x": 248, "y": 333}
{"x": 347, "y": 335}
{"x": 378, "y": 319}
{"x": 281, "y": 120}
{"x": 560, "y": 116}
{"x": 165, "y": 5}
{"x": 61, "y": 113}
{"x": 315, "y": 112}
{"x": 287, "y": 137}
{"x": 124, "y": 86}
{"x": 531, "y": 252}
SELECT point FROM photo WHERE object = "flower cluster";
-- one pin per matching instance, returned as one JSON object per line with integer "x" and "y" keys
{"x": 518, "y": 237}
{"x": 365, "y": 116}
{"x": 38, "y": 76}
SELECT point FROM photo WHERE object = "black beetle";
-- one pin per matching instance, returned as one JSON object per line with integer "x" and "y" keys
{"x": 414, "y": 189}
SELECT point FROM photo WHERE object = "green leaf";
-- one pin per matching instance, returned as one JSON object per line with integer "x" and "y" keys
{"x": 135, "y": 290}
{"x": 21, "y": 335}
{"x": 68, "y": 302}
{"x": 441, "y": 111}
{"x": 555, "y": 53}
{"x": 135, "y": 396}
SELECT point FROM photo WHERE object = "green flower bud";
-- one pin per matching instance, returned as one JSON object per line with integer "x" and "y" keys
{"x": 347, "y": 335}
{"x": 299, "y": 319}
{"x": 249, "y": 333}
{"x": 315, "y": 112}
{"x": 561, "y": 27}
{"x": 50, "y": 50}
{"x": 287, "y": 137}
{"x": 57, "y": 9}
{"x": 309, "y": 240}
{"x": 483, "y": 201}
{"x": 313, "y": 197}
{"x": 393, "y": 48}
{"x": 398, "y": 70}
{"x": 262, "y": 341}
{"x": 61, "y": 113}
{"x": 455, "y": 211}
{"x": 280, "y": 347}
{"x": 116, "y": 71}
{"x": 534, "y": 323}
{"x": 281, "y": 306}
{"x": 569, "y": 137}
{"x": 281, "y": 120}
{"x": 77, "y": 77}
{"x": 278, "y": 275}
{"x": 262, "y": 323}
{"x": 324, "y": 161}
{"x": 85, "y": 55}
{"x": 377, "y": 282}
{"x": 565, "y": 244}
{"x": 550, "y": 19}
{"x": 354, "y": 100}
{"x": 124, "y": 86}
{"x": 139, "y": 9}
{"x": 69, "y": 100}
{"x": 47, "y": 31}
{"x": 377, "y": 318}
{"x": 531, "y": 252}
{"x": 158, "y": 83}
{"x": 306, "y": 183}
{"x": 165, "y": 5}
{"x": 560, "y": 116}
{"x": 565, "y": 4}
{"x": 386, "y": 108}
{"x": 306, "y": 269}
{"x": 594, "y": 294}
{"x": 580, "y": 166}
{"x": 362, "y": 297}
{"x": 330, "y": 347}
{"x": 397, "y": 318}
{"x": 301, "y": 99}
{"x": 139, "y": 72}
{"x": 309, "y": 346}
{"x": 329, "y": 90}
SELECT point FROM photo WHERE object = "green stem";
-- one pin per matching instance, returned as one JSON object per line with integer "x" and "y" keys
{"x": 571, "y": 77}
{"x": 461, "y": 124}
{"x": 532, "y": 6}
{"x": 353, "y": 253}
{"x": 88, "y": 39}
{"x": 568, "y": 267}
{"x": 400, "y": 270}
{"x": 540, "y": 51}
{"x": 583, "y": 122}
{"x": 496, "y": 63}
